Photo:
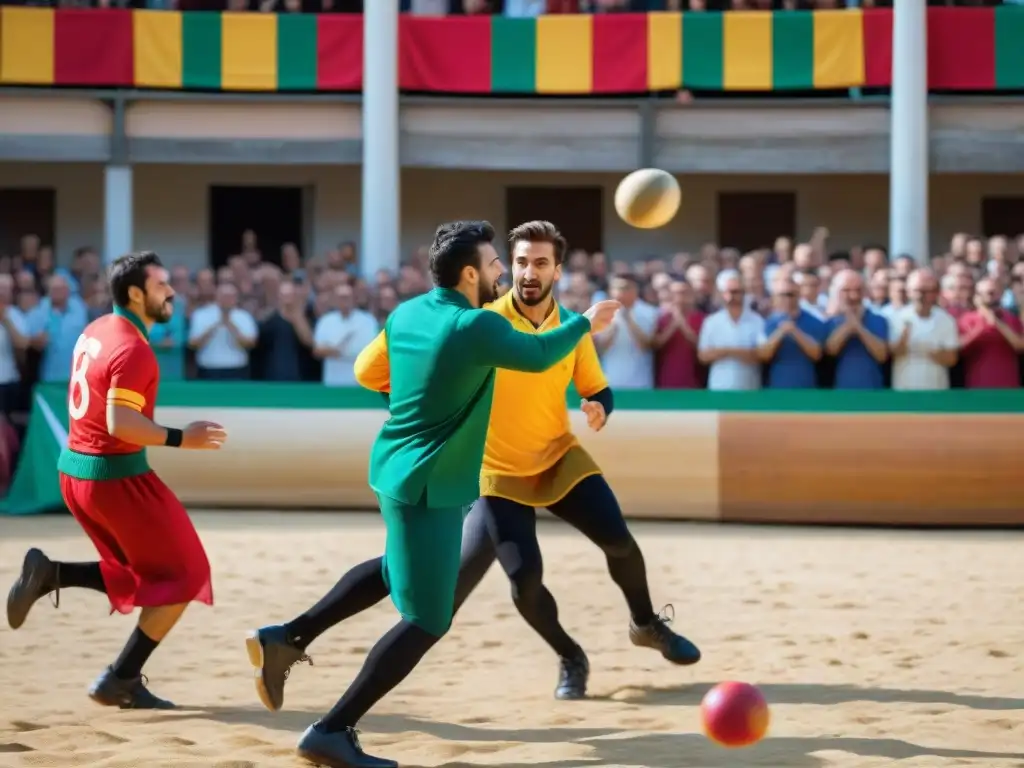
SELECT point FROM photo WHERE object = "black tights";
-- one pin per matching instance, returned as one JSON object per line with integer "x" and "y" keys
{"x": 503, "y": 528}
{"x": 590, "y": 508}
{"x": 494, "y": 528}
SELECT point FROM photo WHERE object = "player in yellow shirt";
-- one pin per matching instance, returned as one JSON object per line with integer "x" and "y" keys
{"x": 531, "y": 460}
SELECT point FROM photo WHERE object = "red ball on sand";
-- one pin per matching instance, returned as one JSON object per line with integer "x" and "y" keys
{"x": 735, "y": 714}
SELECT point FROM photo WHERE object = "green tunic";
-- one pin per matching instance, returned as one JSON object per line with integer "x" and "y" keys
{"x": 425, "y": 463}
{"x": 442, "y": 354}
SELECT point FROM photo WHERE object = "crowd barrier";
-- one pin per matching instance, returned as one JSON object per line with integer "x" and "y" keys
{"x": 840, "y": 457}
{"x": 969, "y": 49}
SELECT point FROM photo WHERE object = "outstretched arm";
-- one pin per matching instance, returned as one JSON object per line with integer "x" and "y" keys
{"x": 489, "y": 339}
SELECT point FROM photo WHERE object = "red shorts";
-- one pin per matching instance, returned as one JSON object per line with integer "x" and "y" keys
{"x": 150, "y": 553}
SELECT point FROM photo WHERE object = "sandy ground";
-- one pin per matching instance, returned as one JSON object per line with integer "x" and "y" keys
{"x": 874, "y": 648}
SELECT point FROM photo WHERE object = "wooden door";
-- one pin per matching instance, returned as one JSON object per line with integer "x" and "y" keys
{"x": 752, "y": 220}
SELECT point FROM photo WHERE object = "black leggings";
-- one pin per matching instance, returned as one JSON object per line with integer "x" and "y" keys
{"x": 494, "y": 528}
{"x": 507, "y": 531}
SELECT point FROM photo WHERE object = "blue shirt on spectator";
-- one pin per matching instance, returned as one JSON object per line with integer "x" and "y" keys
{"x": 280, "y": 351}
{"x": 855, "y": 367}
{"x": 169, "y": 340}
{"x": 62, "y": 330}
{"x": 791, "y": 368}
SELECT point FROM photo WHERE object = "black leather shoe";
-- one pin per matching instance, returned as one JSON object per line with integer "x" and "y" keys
{"x": 657, "y": 635}
{"x": 273, "y": 654}
{"x": 573, "y": 675}
{"x": 111, "y": 691}
{"x": 339, "y": 749}
{"x": 38, "y": 573}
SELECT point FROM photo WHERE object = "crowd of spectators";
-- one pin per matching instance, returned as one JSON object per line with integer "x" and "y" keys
{"x": 713, "y": 318}
{"x": 795, "y": 315}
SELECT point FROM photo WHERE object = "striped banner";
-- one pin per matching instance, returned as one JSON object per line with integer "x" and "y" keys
{"x": 969, "y": 49}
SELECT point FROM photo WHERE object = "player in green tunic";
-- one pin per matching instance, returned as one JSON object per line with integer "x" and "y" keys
{"x": 425, "y": 468}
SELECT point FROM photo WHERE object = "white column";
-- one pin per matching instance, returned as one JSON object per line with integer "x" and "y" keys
{"x": 118, "y": 216}
{"x": 908, "y": 164}
{"x": 381, "y": 221}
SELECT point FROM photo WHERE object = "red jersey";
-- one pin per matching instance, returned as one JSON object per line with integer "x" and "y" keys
{"x": 675, "y": 364}
{"x": 990, "y": 362}
{"x": 113, "y": 364}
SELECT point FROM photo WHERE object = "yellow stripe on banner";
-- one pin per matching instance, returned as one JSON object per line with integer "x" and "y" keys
{"x": 26, "y": 46}
{"x": 157, "y": 48}
{"x": 747, "y": 50}
{"x": 127, "y": 394}
{"x": 565, "y": 53}
{"x": 249, "y": 50}
{"x": 664, "y": 51}
{"x": 839, "y": 49}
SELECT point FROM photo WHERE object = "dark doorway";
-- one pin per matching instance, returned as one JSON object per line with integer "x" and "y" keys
{"x": 273, "y": 213}
{"x": 577, "y": 211}
{"x": 1002, "y": 216}
{"x": 752, "y": 220}
{"x": 27, "y": 212}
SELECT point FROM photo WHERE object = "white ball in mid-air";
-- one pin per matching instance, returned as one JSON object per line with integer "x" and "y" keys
{"x": 648, "y": 198}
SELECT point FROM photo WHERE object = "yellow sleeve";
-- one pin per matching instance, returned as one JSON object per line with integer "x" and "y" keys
{"x": 588, "y": 375}
{"x": 372, "y": 368}
{"x": 127, "y": 398}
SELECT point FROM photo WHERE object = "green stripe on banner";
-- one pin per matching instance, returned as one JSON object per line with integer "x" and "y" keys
{"x": 513, "y": 55}
{"x": 200, "y": 50}
{"x": 296, "y": 52}
{"x": 1010, "y": 46}
{"x": 703, "y": 51}
{"x": 793, "y": 50}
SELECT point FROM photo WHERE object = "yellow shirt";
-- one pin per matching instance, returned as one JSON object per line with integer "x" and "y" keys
{"x": 529, "y": 429}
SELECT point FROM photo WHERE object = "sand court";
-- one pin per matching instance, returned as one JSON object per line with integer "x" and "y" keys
{"x": 873, "y": 648}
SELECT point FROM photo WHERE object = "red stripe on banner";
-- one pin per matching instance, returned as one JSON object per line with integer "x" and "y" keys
{"x": 93, "y": 47}
{"x": 962, "y": 49}
{"x": 877, "y": 47}
{"x": 339, "y": 51}
{"x": 450, "y": 54}
{"x": 620, "y": 53}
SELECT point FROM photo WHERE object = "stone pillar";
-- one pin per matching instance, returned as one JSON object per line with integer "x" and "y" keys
{"x": 381, "y": 216}
{"x": 908, "y": 165}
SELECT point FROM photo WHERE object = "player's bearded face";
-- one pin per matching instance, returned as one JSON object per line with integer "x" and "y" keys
{"x": 532, "y": 289}
{"x": 159, "y": 308}
{"x": 487, "y": 290}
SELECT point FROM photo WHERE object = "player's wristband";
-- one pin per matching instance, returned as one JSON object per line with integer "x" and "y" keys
{"x": 174, "y": 437}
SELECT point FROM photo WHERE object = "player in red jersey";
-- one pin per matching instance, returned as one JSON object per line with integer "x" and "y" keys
{"x": 150, "y": 553}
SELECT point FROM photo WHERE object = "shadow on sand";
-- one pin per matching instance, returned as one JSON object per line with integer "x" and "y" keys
{"x": 671, "y": 750}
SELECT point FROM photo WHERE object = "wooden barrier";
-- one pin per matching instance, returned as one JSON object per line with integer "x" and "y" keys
{"x": 892, "y": 468}
{"x": 898, "y": 458}
{"x": 878, "y": 458}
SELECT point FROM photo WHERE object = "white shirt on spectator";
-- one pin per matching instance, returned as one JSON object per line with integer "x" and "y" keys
{"x": 916, "y": 370}
{"x": 9, "y": 372}
{"x": 351, "y": 334}
{"x": 890, "y": 312}
{"x": 720, "y": 331}
{"x": 221, "y": 351}
{"x": 626, "y": 364}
